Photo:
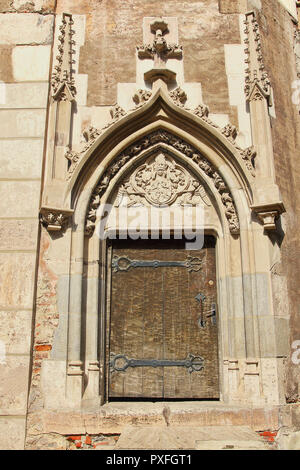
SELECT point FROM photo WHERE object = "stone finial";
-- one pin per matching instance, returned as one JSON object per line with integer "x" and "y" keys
{"x": 257, "y": 83}
{"x": 63, "y": 85}
{"x": 160, "y": 50}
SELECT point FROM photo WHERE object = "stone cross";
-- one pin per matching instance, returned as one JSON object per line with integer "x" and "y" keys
{"x": 160, "y": 51}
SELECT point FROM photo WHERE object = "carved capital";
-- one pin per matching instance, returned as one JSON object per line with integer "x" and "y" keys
{"x": 268, "y": 214}
{"x": 55, "y": 220}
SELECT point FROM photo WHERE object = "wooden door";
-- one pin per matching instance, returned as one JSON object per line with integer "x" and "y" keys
{"x": 163, "y": 324}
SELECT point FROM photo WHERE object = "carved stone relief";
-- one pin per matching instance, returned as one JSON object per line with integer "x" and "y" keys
{"x": 162, "y": 136}
{"x": 141, "y": 97}
{"x": 178, "y": 96}
{"x": 161, "y": 182}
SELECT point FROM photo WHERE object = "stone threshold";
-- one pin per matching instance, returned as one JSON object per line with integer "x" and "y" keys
{"x": 112, "y": 418}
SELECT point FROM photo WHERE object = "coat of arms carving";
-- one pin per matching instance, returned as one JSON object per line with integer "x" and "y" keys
{"x": 160, "y": 182}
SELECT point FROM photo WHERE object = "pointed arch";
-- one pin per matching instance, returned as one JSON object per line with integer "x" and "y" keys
{"x": 160, "y": 113}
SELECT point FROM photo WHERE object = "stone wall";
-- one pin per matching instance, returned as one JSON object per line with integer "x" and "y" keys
{"x": 25, "y": 50}
{"x": 113, "y": 28}
{"x": 277, "y": 31}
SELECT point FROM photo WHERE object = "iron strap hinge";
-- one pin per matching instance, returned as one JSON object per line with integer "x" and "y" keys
{"x": 123, "y": 264}
{"x": 120, "y": 363}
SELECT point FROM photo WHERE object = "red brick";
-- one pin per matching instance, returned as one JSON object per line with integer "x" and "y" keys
{"x": 104, "y": 443}
{"x": 74, "y": 438}
{"x": 43, "y": 347}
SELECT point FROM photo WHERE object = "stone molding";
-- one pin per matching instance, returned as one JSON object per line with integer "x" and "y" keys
{"x": 257, "y": 82}
{"x": 54, "y": 219}
{"x": 178, "y": 97}
{"x": 297, "y": 51}
{"x": 164, "y": 137}
{"x": 75, "y": 368}
{"x": 62, "y": 82}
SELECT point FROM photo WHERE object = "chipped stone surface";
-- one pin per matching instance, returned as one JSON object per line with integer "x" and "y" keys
{"x": 18, "y": 234}
{"x": 15, "y": 331}
{"x": 288, "y": 439}
{"x": 16, "y": 279}
{"x": 25, "y": 95}
{"x": 181, "y": 437}
{"x": 13, "y": 393}
{"x": 22, "y": 123}
{"x": 12, "y": 431}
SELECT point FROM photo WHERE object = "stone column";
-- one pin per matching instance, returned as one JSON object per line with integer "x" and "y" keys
{"x": 92, "y": 316}
{"x": 75, "y": 364}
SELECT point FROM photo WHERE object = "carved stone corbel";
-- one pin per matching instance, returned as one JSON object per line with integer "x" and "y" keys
{"x": 268, "y": 214}
{"x": 55, "y": 220}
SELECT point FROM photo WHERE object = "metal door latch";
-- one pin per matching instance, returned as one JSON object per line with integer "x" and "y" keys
{"x": 211, "y": 314}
